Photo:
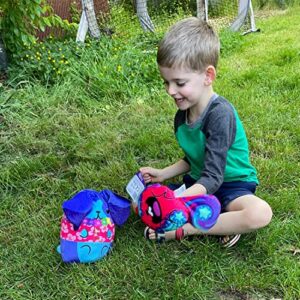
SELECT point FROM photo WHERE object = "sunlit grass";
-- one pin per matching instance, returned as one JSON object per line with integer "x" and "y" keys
{"x": 109, "y": 116}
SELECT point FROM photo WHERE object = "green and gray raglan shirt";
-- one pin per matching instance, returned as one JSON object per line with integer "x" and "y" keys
{"x": 215, "y": 146}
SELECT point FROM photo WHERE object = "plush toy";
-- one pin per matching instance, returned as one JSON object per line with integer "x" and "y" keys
{"x": 162, "y": 211}
{"x": 88, "y": 225}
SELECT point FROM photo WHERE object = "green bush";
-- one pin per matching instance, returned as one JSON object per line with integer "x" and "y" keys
{"x": 45, "y": 62}
{"x": 108, "y": 67}
{"x": 113, "y": 69}
{"x": 22, "y": 19}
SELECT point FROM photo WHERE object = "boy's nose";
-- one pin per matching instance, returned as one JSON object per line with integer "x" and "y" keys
{"x": 171, "y": 90}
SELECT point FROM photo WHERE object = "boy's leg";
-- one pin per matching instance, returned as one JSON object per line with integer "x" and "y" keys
{"x": 244, "y": 214}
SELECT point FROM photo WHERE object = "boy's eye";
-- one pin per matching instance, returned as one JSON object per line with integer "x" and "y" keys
{"x": 179, "y": 84}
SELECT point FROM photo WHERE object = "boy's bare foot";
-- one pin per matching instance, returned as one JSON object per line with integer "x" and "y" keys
{"x": 158, "y": 236}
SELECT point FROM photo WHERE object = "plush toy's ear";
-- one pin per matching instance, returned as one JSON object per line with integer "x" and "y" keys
{"x": 204, "y": 210}
{"x": 118, "y": 206}
{"x": 79, "y": 206}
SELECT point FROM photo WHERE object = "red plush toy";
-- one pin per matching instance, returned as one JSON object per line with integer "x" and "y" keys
{"x": 161, "y": 210}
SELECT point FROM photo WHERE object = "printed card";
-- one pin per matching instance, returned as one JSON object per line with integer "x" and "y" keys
{"x": 135, "y": 187}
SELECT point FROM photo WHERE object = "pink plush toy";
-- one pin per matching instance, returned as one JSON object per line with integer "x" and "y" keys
{"x": 161, "y": 210}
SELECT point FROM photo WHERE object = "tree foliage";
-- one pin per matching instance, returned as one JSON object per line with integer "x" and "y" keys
{"x": 20, "y": 20}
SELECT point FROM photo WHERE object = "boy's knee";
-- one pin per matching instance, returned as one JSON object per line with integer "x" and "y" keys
{"x": 259, "y": 217}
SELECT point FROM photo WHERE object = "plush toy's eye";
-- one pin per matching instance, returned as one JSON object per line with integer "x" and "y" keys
{"x": 107, "y": 211}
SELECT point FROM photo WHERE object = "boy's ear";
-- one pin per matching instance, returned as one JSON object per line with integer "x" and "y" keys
{"x": 210, "y": 75}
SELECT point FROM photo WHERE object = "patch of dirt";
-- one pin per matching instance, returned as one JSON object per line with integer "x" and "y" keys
{"x": 234, "y": 295}
{"x": 238, "y": 295}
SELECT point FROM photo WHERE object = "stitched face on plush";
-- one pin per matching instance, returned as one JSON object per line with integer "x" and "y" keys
{"x": 159, "y": 209}
{"x": 100, "y": 210}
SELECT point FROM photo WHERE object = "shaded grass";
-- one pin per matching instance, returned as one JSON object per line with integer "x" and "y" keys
{"x": 86, "y": 132}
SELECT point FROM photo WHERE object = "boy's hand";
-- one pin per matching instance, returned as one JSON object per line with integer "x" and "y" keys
{"x": 152, "y": 175}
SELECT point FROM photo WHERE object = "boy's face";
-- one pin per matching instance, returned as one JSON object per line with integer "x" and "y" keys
{"x": 187, "y": 87}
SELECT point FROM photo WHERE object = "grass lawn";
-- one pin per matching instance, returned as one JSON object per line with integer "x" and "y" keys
{"x": 108, "y": 117}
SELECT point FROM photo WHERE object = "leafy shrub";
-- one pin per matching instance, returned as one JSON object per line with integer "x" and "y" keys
{"x": 22, "y": 19}
{"x": 44, "y": 61}
{"x": 113, "y": 69}
{"x": 105, "y": 68}
{"x": 171, "y": 7}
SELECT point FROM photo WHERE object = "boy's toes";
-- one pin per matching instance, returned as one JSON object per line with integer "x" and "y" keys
{"x": 148, "y": 233}
{"x": 151, "y": 234}
{"x": 228, "y": 241}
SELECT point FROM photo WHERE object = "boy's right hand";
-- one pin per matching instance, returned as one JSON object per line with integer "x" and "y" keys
{"x": 151, "y": 174}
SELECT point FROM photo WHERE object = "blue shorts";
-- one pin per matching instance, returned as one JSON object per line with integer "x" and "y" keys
{"x": 227, "y": 192}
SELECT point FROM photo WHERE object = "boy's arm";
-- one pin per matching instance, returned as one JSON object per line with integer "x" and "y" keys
{"x": 159, "y": 175}
{"x": 220, "y": 131}
{"x": 195, "y": 189}
{"x": 176, "y": 169}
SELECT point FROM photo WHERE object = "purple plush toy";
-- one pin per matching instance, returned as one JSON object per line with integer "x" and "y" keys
{"x": 88, "y": 225}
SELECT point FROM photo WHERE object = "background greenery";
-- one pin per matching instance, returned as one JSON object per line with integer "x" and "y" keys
{"x": 106, "y": 114}
{"x": 21, "y": 20}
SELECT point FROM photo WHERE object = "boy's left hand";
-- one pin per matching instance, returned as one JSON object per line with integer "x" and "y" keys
{"x": 151, "y": 174}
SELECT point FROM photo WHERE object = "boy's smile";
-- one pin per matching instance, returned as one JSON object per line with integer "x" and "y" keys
{"x": 190, "y": 89}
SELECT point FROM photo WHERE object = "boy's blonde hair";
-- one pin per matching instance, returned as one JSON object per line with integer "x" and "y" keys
{"x": 190, "y": 43}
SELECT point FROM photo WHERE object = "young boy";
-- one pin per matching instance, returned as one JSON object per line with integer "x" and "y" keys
{"x": 210, "y": 133}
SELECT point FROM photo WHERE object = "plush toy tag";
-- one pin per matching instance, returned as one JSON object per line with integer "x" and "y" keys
{"x": 135, "y": 187}
{"x": 179, "y": 191}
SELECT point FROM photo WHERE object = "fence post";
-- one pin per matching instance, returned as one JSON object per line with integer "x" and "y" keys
{"x": 142, "y": 13}
{"x": 201, "y": 10}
